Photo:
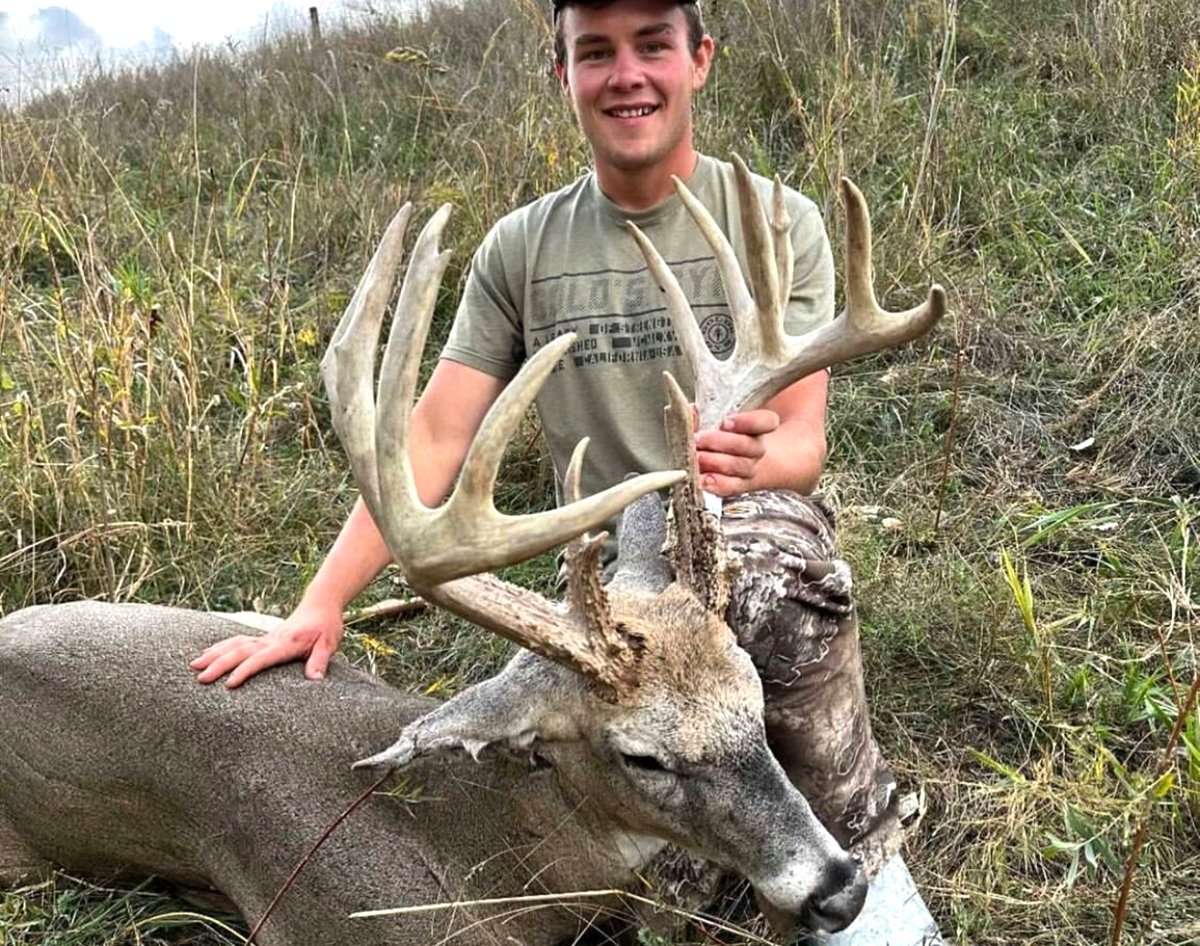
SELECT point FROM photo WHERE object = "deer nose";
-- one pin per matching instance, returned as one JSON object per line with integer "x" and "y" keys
{"x": 839, "y": 899}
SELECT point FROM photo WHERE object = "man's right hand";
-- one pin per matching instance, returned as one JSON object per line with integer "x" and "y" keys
{"x": 311, "y": 633}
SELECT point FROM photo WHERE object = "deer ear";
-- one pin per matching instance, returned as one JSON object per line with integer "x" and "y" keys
{"x": 641, "y": 565}
{"x": 531, "y": 699}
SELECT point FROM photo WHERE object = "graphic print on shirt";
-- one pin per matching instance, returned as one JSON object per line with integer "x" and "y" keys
{"x": 621, "y": 317}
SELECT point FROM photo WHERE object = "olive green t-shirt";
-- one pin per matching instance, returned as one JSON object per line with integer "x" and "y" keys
{"x": 567, "y": 263}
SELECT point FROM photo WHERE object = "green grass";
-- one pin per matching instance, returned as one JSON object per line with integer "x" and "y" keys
{"x": 176, "y": 246}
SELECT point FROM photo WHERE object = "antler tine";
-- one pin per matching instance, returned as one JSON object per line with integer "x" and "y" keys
{"x": 573, "y": 477}
{"x": 469, "y": 535}
{"x": 348, "y": 366}
{"x": 862, "y": 309}
{"x": 687, "y": 330}
{"x": 586, "y": 596}
{"x": 737, "y": 293}
{"x": 482, "y": 464}
{"x": 781, "y": 230}
{"x": 769, "y": 295}
{"x": 765, "y": 360}
{"x": 398, "y": 382}
{"x": 864, "y": 328}
{"x": 697, "y": 548}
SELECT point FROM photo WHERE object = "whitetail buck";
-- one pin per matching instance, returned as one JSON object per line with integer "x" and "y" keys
{"x": 630, "y": 719}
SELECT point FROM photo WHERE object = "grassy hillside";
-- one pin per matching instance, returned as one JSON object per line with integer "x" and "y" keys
{"x": 1019, "y": 494}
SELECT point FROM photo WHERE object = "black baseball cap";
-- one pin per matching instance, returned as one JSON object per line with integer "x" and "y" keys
{"x": 560, "y": 4}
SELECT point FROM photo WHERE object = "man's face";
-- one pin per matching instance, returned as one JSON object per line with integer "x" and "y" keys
{"x": 631, "y": 75}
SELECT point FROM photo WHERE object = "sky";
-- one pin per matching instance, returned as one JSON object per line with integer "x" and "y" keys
{"x": 124, "y": 24}
{"x": 46, "y": 44}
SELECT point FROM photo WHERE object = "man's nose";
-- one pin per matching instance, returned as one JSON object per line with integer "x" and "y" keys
{"x": 626, "y": 72}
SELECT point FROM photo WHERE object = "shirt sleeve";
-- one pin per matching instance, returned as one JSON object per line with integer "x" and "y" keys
{"x": 811, "y": 302}
{"x": 487, "y": 333}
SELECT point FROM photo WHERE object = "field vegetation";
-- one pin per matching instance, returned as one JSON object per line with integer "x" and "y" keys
{"x": 1019, "y": 494}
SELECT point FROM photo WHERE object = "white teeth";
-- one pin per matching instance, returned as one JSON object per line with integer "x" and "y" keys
{"x": 632, "y": 112}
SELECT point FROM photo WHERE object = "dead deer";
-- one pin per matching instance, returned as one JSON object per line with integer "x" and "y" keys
{"x": 629, "y": 719}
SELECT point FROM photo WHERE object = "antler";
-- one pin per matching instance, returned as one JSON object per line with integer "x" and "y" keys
{"x": 765, "y": 359}
{"x": 467, "y": 534}
{"x": 695, "y": 544}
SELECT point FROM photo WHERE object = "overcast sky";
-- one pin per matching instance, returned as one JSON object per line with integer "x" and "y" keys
{"x": 45, "y": 44}
{"x": 124, "y": 24}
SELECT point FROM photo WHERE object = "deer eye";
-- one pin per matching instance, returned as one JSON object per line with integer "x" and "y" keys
{"x": 646, "y": 763}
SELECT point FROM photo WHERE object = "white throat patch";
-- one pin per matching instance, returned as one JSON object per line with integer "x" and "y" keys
{"x": 636, "y": 850}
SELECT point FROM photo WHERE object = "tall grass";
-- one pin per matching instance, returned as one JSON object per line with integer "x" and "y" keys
{"x": 178, "y": 242}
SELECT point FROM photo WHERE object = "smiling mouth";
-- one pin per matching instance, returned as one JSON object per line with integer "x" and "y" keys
{"x": 636, "y": 111}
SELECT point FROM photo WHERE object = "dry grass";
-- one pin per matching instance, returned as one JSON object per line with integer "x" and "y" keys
{"x": 177, "y": 245}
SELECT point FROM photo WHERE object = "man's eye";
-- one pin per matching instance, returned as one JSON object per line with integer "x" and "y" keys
{"x": 592, "y": 55}
{"x": 655, "y": 48}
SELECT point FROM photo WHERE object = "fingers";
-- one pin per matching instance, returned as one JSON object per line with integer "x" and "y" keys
{"x": 726, "y": 464}
{"x": 734, "y": 445}
{"x": 216, "y": 652}
{"x": 728, "y": 457}
{"x": 739, "y": 434}
{"x": 318, "y": 660}
{"x": 225, "y": 661}
{"x": 242, "y": 657}
{"x": 751, "y": 423}
{"x": 260, "y": 660}
{"x": 724, "y": 486}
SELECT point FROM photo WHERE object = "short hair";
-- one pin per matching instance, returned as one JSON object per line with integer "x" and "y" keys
{"x": 691, "y": 13}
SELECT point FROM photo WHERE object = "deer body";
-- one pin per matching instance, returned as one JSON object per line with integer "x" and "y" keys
{"x": 116, "y": 762}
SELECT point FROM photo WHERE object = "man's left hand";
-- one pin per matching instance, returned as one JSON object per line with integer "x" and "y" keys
{"x": 729, "y": 456}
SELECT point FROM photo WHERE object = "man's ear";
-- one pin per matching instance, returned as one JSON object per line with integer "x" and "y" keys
{"x": 531, "y": 699}
{"x": 560, "y": 73}
{"x": 702, "y": 61}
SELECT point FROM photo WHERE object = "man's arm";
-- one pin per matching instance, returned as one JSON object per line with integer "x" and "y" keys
{"x": 779, "y": 446}
{"x": 444, "y": 423}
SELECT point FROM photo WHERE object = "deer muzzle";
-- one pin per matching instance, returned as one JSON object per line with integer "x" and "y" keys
{"x": 839, "y": 899}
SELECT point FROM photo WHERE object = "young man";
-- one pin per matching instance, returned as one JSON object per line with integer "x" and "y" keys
{"x": 567, "y": 263}
{"x": 630, "y": 72}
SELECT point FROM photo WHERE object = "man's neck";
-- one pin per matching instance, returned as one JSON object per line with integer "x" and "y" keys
{"x": 646, "y": 187}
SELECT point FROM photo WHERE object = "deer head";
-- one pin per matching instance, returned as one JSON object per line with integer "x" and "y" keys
{"x": 645, "y": 702}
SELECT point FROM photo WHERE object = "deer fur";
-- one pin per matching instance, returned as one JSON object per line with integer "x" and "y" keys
{"x": 117, "y": 763}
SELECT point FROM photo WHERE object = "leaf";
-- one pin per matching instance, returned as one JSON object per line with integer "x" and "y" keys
{"x": 996, "y": 766}
{"x": 1164, "y": 784}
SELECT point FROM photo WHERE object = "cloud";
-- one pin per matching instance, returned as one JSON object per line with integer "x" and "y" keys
{"x": 58, "y": 26}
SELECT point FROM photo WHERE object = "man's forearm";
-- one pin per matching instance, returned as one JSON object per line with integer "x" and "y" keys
{"x": 359, "y": 553}
{"x": 356, "y": 557}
